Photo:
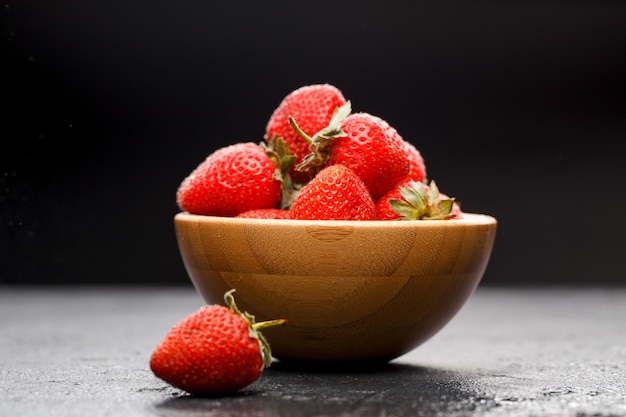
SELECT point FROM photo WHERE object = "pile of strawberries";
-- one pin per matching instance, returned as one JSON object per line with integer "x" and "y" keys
{"x": 317, "y": 161}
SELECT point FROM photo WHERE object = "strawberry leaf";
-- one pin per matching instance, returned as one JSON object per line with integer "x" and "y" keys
{"x": 278, "y": 152}
{"x": 321, "y": 143}
{"x": 253, "y": 327}
{"x": 422, "y": 202}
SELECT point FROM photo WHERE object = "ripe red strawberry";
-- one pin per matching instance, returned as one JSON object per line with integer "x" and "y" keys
{"x": 335, "y": 193}
{"x": 412, "y": 200}
{"x": 365, "y": 143}
{"x": 417, "y": 167}
{"x": 269, "y": 213}
{"x": 313, "y": 107}
{"x": 213, "y": 350}
{"x": 234, "y": 179}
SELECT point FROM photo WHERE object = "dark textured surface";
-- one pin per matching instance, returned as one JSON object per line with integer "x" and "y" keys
{"x": 514, "y": 352}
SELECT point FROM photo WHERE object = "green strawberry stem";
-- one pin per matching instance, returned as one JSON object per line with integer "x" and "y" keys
{"x": 321, "y": 143}
{"x": 421, "y": 202}
{"x": 253, "y": 327}
{"x": 269, "y": 323}
{"x": 278, "y": 152}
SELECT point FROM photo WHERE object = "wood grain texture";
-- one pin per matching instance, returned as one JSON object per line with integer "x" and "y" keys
{"x": 351, "y": 290}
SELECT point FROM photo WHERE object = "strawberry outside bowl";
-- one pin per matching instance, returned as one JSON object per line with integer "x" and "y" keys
{"x": 350, "y": 290}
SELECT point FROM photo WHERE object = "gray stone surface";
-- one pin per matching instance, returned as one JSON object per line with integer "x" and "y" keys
{"x": 509, "y": 352}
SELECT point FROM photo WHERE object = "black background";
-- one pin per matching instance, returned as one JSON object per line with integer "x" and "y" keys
{"x": 518, "y": 108}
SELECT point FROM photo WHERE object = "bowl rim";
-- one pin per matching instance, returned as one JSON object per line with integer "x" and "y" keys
{"x": 469, "y": 219}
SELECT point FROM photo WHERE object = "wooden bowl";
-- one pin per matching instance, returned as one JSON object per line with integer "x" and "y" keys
{"x": 350, "y": 290}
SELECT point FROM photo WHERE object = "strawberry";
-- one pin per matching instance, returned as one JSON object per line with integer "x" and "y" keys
{"x": 269, "y": 213}
{"x": 234, "y": 179}
{"x": 335, "y": 193}
{"x": 213, "y": 350}
{"x": 365, "y": 143}
{"x": 412, "y": 200}
{"x": 313, "y": 107}
{"x": 417, "y": 167}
